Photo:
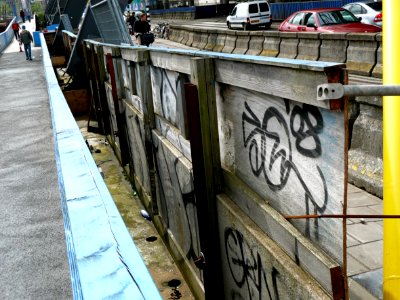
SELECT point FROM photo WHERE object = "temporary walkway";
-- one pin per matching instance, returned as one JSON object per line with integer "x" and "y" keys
{"x": 61, "y": 235}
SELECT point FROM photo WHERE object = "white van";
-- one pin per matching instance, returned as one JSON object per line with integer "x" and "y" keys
{"x": 250, "y": 14}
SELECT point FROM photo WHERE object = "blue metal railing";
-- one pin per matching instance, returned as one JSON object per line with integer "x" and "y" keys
{"x": 6, "y": 36}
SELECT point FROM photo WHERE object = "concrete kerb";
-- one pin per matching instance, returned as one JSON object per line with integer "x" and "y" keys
{"x": 361, "y": 53}
{"x": 271, "y": 43}
{"x": 333, "y": 47}
{"x": 203, "y": 38}
{"x": 190, "y": 39}
{"x": 220, "y": 42}
{"x": 185, "y": 36}
{"x": 289, "y": 45}
{"x": 196, "y": 38}
{"x": 230, "y": 42}
{"x": 309, "y": 45}
{"x": 212, "y": 39}
{"x": 242, "y": 42}
{"x": 377, "y": 71}
{"x": 256, "y": 43}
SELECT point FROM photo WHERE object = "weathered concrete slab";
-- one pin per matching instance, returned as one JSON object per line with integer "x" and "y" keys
{"x": 271, "y": 43}
{"x": 361, "y": 53}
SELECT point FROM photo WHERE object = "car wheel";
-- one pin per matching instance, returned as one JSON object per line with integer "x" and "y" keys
{"x": 268, "y": 26}
{"x": 245, "y": 26}
{"x": 229, "y": 25}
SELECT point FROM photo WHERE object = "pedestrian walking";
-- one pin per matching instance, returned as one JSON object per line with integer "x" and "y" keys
{"x": 28, "y": 16}
{"x": 131, "y": 20}
{"x": 15, "y": 27}
{"x": 26, "y": 39}
{"x": 22, "y": 15}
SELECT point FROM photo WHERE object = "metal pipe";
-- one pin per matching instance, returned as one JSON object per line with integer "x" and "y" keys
{"x": 343, "y": 217}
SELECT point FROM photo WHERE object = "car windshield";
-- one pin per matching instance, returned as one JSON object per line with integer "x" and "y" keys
{"x": 336, "y": 17}
{"x": 377, "y": 6}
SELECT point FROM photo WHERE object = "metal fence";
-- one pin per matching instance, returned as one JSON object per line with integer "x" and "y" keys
{"x": 6, "y": 36}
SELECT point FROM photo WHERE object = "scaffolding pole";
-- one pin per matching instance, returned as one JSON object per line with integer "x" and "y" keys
{"x": 391, "y": 151}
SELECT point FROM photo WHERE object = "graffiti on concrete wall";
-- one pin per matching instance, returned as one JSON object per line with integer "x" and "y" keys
{"x": 247, "y": 270}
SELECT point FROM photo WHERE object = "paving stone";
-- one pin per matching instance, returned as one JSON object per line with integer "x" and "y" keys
{"x": 369, "y": 254}
{"x": 362, "y": 199}
{"x": 352, "y": 241}
{"x": 362, "y": 210}
{"x": 353, "y": 189}
{"x": 378, "y": 208}
{"x": 355, "y": 267}
{"x": 365, "y": 233}
{"x": 372, "y": 281}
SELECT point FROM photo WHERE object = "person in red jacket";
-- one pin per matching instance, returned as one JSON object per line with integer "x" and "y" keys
{"x": 15, "y": 27}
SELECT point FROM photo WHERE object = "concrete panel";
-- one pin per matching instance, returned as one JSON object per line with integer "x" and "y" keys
{"x": 196, "y": 39}
{"x": 254, "y": 267}
{"x": 256, "y": 43}
{"x": 242, "y": 42}
{"x": 289, "y": 44}
{"x": 291, "y": 154}
{"x": 212, "y": 40}
{"x": 271, "y": 44}
{"x": 361, "y": 53}
{"x": 377, "y": 71}
{"x": 220, "y": 43}
{"x": 230, "y": 42}
{"x": 333, "y": 47}
{"x": 190, "y": 39}
{"x": 183, "y": 36}
{"x": 203, "y": 39}
{"x": 308, "y": 47}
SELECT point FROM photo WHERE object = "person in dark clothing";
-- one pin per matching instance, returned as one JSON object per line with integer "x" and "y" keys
{"x": 131, "y": 20}
{"x": 22, "y": 15}
{"x": 142, "y": 27}
{"x": 15, "y": 28}
{"x": 27, "y": 39}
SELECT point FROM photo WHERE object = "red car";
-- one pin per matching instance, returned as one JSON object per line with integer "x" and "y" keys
{"x": 326, "y": 20}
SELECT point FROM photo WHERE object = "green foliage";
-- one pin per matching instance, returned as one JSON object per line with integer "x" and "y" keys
{"x": 37, "y": 8}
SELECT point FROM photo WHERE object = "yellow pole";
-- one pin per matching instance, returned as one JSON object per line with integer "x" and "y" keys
{"x": 391, "y": 151}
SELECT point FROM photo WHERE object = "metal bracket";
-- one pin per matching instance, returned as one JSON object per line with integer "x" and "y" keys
{"x": 330, "y": 91}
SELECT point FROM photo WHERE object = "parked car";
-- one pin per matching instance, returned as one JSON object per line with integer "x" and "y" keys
{"x": 325, "y": 20}
{"x": 250, "y": 14}
{"x": 370, "y": 12}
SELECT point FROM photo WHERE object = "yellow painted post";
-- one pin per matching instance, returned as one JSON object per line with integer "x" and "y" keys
{"x": 391, "y": 150}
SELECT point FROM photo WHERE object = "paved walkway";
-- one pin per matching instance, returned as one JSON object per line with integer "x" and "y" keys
{"x": 33, "y": 255}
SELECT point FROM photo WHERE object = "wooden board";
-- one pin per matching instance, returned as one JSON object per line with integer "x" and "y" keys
{"x": 168, "y": 97}
{"x": 78, "y": 101}
{"x": 135, "y": 132}
{"x": 176, "y": 201}
{"x": 289, "y": 153}
{"x": 254, "y": 267}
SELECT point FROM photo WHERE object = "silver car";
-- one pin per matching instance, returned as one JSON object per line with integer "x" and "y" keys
{"x": 370, "y": 12}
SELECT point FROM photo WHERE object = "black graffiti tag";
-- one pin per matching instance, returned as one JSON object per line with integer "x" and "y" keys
{"x": 247, "y": 270}
{"x": 306, "y": 123}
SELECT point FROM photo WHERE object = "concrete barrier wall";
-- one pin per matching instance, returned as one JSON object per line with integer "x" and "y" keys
{"x": 361, "y": 52}
{"x": 6, "y": 36}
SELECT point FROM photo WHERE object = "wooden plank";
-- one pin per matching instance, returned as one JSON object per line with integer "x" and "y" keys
{"x": 291, "y": 154}
{"x": 206, "y": 167}
{"x": 78, "y": 101}
{"x": 174, "y": 136}
{"x": 168, "y": 97}
{"x": 176, "y": 201}
{"x": 138, "y": 157}
{"x": 254, "y": 266}
{"x": 275, "y": 226}
{"x": 294, "y": 84}
{"x": 170, "y": 61}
